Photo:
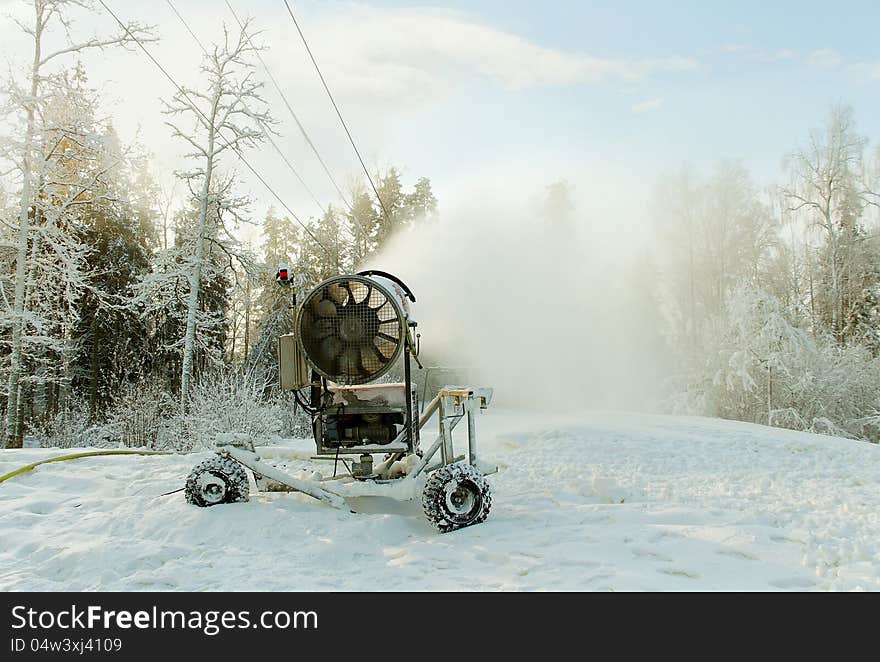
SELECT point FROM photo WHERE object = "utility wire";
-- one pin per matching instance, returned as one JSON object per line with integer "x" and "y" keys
{"x": 205, "y": 118}
{"x": 266, "y": 131}
{"x": 292, "y": 113}
{"x": 296, "y": 174}
{"x": 186, "y": 25}
{"x": 338, "y": 113}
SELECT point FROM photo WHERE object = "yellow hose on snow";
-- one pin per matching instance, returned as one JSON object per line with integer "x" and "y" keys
{"x": 75, "y": 456}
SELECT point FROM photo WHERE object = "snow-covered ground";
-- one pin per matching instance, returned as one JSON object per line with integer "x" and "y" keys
{"x": 594, "y": 502}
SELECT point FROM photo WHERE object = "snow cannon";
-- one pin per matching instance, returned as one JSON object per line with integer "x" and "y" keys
{"x": 350, "y": 332}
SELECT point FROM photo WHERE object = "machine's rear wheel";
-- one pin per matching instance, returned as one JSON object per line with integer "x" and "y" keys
{"x": 217, "y": 480}
{"x": 456, "y": 496}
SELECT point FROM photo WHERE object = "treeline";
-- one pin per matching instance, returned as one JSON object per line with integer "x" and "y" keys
{"x": 127, "y": 314}
{"x": 772, "y": 297}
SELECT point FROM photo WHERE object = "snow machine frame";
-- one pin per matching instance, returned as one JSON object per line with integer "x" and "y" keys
{"x": 453, "y": 488}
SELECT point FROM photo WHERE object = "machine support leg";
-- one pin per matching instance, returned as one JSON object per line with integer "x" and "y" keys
{"x": 472, "y": 435}
{"x": 439, "y": 444}
{"x": 443, "y": 432}
{"x": 410, "y": 436}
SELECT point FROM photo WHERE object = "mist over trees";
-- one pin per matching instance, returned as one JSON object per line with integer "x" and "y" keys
{"x": 772, "y": 295}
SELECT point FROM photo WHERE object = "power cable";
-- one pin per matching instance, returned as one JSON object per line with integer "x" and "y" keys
{"x": 338, "y": 112}
{"x": 205, "y": 118}
{"x": 262, "y": 125}
{"x": 292, "y": 113}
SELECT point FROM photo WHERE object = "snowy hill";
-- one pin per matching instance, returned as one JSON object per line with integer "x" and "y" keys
{"x": 595, "y": 502}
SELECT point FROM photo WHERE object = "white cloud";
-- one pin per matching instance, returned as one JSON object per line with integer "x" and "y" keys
{"x": 403, "y": 49}
{"x": 824, "y": 57}
{"x": 780, "y": 55}
{"x": 821, "y": 57}
{"x": 869, "y": 70}
{"x": 648, "y": 105}
{"x": 758, "y": 54}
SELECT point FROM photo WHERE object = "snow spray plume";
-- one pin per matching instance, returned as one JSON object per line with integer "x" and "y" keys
{"x": 545, "y": 309}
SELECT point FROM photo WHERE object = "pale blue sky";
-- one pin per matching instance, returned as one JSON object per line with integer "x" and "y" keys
{"x": 747, "y": 99}
{"x": 765, "y": 74}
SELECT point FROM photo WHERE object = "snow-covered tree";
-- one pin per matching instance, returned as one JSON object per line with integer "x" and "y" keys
{"x": 391, "y": 215}
{"x": 163, "y": 294}
{"x": 421, "y": 203}
{"x": 78, "y": 157}
{"x": 362, "y": 222}
{"x": 226, "y": 115}
{"x": 326, "y": 250}
{"x": 282, "y": 244}
{"x": 30, "y": 98}
{"x": 764, "y": 369}
{"x": 831, "y": 187}
{"x": 114, "y": 335}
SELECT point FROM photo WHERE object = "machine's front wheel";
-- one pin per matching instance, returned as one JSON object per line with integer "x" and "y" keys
{"x": 217, "y": 480}
{"x": 456, "y": 496}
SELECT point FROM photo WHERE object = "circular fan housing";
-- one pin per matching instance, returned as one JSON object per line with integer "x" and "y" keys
{"x": 351, "y": 329}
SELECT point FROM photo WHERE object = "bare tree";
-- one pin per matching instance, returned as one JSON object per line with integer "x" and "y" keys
{"x": 831, "y": 185}
{"x": 30, "y": 100}
{"x": 230, "y": 123}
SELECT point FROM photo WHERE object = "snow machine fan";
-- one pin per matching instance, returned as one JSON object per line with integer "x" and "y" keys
{"x": 351, "y": 329}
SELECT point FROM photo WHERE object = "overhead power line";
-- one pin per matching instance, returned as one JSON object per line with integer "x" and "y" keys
{"x": 266, "y": 131}
{"x": 206, "y": 120}
{"x": 296, "y": 119}
{"x": 186, "y": 25}
{"x": 293, "y": 170}
{"x": 338, "y": 113}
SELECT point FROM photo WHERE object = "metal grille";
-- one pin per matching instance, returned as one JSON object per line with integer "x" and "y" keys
{"x": 351, "y": 329}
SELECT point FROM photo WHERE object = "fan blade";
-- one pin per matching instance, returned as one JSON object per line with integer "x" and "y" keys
{"x": 350, "y": 301}
{"x": 364, "y": 289}
{"x": 382, "y": 358}
{"x": 380, "y": 306}
{"x": 336, "y": 295}
{"x": 363, "y": 364}
{"x": 385, "y": 336}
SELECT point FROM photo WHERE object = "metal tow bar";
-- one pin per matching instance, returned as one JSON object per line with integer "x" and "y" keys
{"x": 252, "y": 462}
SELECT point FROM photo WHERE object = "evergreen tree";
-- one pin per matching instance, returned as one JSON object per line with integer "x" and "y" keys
{"x": 363, "y": 225}
{"x": 421, "y": 202}
{"x": 282, "y": 245}
{"x": 114, "y": 337}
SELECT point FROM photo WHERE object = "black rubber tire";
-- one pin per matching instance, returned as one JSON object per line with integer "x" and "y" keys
{"x": 225, "y": 475}
{"x": 456, "y": 479}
